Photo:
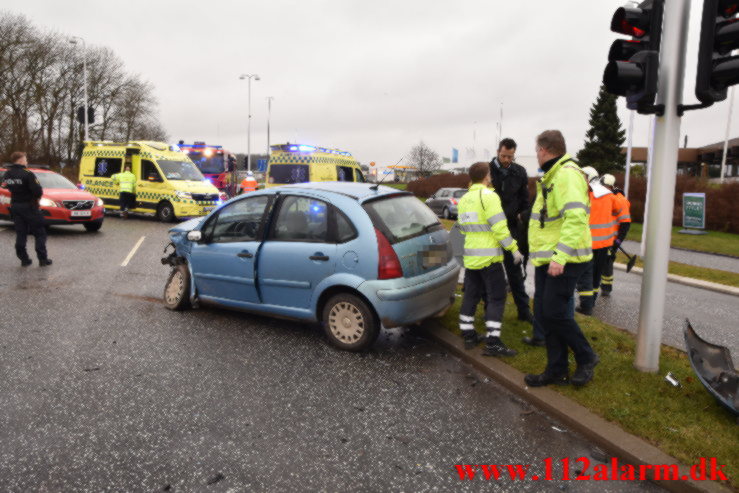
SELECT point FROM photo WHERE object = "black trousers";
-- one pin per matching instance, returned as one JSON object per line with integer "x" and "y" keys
{"x": 606, "y": 279}
{"x": 514, "y": 273}
{"x": 27, "y": 218}
{"x": 128, "y": 201}
{"x": 553, "y": 310}
{"x": 490, "y": 284}
{"x": 588, "y": 286}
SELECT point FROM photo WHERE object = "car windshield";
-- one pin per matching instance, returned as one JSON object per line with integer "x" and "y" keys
{"x": 210, "y": 165}
{"x": 288, "y": 173}
{"x": 180, "y": 170}
{"x": 52, "y": 180}
{"x": 402, "y": 217}
{"x": 458, "y": 194}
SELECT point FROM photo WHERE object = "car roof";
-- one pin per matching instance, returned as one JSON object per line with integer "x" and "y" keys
{"x": 359, "y": 191}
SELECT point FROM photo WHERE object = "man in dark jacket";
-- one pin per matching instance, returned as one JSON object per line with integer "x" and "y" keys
{"x": 512, "y": 184}
{"x": 25, "y": 192}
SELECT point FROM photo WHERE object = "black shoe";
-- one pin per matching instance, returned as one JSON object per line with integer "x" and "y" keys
{"x": 605, "y": 292}
{"x": 585, "y": 373}
{"x": 531, "y": 341}
{"x": 526, "y": 317}
{"x": 44, "y": 262}
{"x": 495, "y": 347}
{"x": 471, "y": 338}
{"x": 584, "y": 311}
{"x": 545, "y": 379}
{"x": 26, "y": 262}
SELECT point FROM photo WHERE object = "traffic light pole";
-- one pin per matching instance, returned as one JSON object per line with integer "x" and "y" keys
{"x": 662, "y": 190}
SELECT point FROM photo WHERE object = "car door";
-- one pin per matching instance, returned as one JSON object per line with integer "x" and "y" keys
{"x": 4, "y": 197}
{"x": 223, "y": 264}
{"x": 297, "y": 253}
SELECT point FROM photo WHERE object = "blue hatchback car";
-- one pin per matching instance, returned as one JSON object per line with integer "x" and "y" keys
{"x": 351, "y": 256}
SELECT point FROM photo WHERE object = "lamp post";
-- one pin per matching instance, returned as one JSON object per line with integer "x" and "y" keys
{"x": 249, "y": 77}
{"x": 75, "y": 40}
{"x": 269, "y": 114}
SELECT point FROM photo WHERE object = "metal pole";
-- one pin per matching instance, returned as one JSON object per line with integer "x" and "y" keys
{"x": 628, "y": 154}
{"x": 269, "y": 115}
{"x": 726, "y": 135}
{"x": 248, "y": 133}
{"x": 84, "y": 83}
{"x": 662, "y": 189}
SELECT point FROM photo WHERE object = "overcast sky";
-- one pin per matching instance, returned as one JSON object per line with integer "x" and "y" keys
{"x": 373, "y": 78}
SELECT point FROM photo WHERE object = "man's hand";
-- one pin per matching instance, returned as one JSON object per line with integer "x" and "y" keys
{"x": 517, "y": 258}
{"x": 555, "y": 269}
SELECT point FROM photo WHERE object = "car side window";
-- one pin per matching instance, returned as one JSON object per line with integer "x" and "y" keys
{"x": 344, "y": 228}
{"x": 239, "y": 221}
{"x": 344, "y": 173}
{"x": 444, "y": 194}
{"x": 148, "y": 169}
{"x": 302, "y": 219}
{"x": 105, "y": 167}
{"x": 358, "y": 176}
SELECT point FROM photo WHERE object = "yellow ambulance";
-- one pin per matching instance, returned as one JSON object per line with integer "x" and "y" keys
{"x": 168, "y": 184}
{"x": 300, "y": 163}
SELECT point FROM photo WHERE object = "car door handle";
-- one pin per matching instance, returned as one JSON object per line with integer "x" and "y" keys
{"x": 245, "y": 255}
{"x": 319, "y": 257}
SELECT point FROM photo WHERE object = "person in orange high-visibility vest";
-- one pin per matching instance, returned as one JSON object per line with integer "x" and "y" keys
{"x": 604, "y": 209}
{"x": 622, "y": 229}
{"x": 249, "y": 184}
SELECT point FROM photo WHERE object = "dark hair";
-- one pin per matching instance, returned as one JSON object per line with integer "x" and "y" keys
{"x": 479, "y": 171}
{"x": 17, "y": 156}
{"x": 507, "y": 143}
{"x": 552, "y": 141}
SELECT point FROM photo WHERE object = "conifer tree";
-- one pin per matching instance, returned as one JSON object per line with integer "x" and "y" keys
{"x": 605, "y": 137}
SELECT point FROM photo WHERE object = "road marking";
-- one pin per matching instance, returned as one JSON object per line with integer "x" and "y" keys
{"x": 133, "y": 251}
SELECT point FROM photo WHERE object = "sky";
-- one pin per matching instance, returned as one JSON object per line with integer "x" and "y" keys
{"x": 372, "y": 78}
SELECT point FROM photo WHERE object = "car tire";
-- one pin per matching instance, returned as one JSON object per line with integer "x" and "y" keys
{"x": 177, "y": 289}
{"x": 446, "y": 214}
{"x": 165, "y": 212}
{"x": 93, "y": 226}
{"x": 350, "y": 324}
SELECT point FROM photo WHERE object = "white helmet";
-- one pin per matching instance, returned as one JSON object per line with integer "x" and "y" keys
{"x": 249, "y": 173}
{"x": 590, "y": 172}
{"x": 608, "y": 180}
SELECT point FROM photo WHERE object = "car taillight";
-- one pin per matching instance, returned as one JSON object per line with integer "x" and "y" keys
{"x": 388, "y": 266}
{"x": 455, "y": 201}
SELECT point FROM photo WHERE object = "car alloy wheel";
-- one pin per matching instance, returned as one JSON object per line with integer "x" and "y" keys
{"x": 346, "y": 322}
{"x": 446, "y": 213}
{"x": 165, "y": 212}
{"x": 349, "y": 323}
{"x": 177, "y": 289}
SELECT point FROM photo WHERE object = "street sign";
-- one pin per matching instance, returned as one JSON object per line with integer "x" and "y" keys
{"x": 262, "y": 165}
{"x": 694, "y": 212}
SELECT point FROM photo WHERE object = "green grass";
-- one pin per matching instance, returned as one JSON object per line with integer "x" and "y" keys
{"x": 399, "y": 186}
{"x": 712, "y": 242}
{"x": 686, "y": 422}
{"x": 685, "y": 270}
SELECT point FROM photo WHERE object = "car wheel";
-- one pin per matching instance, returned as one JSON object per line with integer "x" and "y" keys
{"x": 349, "y": 323}
{"x": 165, "y": 212}
{"x": 91, "y": 227}
{"x": 177, "y": 289}
{"x": 446, "y": 214}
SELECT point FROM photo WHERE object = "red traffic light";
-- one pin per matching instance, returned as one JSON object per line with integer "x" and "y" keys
{"x": 631, "y": 21}
{"x": 728, "y": 8}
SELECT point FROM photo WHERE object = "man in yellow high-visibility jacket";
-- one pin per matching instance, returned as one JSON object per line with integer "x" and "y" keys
{"x": 485, "y": 229}
{"x": 126, "y": 182}
{"x": 560, "y": 246}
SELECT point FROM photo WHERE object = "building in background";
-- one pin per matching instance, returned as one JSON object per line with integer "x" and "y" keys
{"x": 699, "y": 161}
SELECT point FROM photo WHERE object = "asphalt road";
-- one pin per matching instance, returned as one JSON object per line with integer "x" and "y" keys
{"x": 706, "y": 260}
{"x": 104, "y": 389}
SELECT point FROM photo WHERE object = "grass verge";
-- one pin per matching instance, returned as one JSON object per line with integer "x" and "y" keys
{"x": 399, "y": 186}
{"x": 685, "y": 422}
{"x": 712, "y": 242}
{"x": 712, "y": 275}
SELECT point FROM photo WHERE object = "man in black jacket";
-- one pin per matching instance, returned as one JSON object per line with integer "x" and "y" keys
{"x": 25, "y": 192}
{"x": 512, "y": 184}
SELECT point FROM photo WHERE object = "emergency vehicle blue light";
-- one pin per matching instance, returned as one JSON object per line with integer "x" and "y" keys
{"x": 293, "y": 148}
{"x": 305, "y": 148}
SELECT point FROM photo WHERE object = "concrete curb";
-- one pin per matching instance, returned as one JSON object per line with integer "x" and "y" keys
{"x": 605, "y": 434}
{"x": 689, "y": 281}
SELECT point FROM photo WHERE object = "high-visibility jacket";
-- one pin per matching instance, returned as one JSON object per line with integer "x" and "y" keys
{"x": 624, "y": 213}
{"x": 126, "y": 181}
{"x": 559, "y": 228}
{"x": 604, "y": 209}
{"x": 249, "y": 184}
{"x": 483, "y": 223}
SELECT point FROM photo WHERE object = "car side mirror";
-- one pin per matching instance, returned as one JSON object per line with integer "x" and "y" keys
{"x": 194, "y": 236}
{"x": 153, "y": 177}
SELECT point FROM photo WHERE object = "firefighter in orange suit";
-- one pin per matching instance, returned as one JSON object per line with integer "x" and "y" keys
{"x": 622, "y": 229}
{"x": 249, "y": 184}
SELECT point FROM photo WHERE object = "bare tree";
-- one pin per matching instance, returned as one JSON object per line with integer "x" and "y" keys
{"x": 424, "y": 159}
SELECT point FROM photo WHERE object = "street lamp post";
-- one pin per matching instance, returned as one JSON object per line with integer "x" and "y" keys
{"x": 75, "y": 40}
{"x": 269, "y": 114}
{"x": 249, "y": 77}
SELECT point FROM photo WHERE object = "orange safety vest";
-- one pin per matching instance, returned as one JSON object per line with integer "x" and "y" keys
{"x": 603, "y": 223}
{"x": 249, "y": 185}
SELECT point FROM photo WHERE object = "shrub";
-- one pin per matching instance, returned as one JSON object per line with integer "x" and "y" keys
{"x": 426, "y": 187}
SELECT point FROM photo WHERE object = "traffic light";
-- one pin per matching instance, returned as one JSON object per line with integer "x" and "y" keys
{"x": 633, "y": 64}
{"x": 90, "y": 114}
{"x": 717, "y": 69}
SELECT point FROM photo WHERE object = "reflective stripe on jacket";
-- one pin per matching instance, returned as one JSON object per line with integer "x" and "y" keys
{"x": 559, "y": 228}
{"x": 126, "y": 181}
{"x": 485, "y": 228}
{"x": 603, "y": 222}
{"x": 249, "y": 184}
{"x": 624, "y": 215}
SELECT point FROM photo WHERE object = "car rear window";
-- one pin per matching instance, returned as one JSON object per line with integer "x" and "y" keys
{"x": 401, "y": 217}
{"x": 289, "y": 173}
{"x": 459, "y": 194}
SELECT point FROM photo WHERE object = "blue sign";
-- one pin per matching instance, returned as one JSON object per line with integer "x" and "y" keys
{"x": 455, "y": 155}
{"x": 262, "y": 165}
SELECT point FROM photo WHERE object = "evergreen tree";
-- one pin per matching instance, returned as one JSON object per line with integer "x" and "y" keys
{"x": 604, "y": 139}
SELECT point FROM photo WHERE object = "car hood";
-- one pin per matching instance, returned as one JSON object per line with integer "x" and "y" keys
{"x": 187, "y": 225}
{"x": 58, "y": 194}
